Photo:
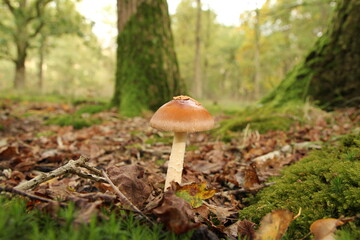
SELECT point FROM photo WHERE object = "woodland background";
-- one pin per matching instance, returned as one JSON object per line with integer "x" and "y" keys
{"x": 239, "y": 64}
{"x": 283, "y": 86}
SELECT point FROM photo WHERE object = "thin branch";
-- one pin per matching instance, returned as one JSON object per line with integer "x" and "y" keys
{"x": 11, "y": 7}
{"x": 72, "y": 164}
{"x": 29, "y": 195}
{"x": 244, "y": 190}
{"x": 124, "y": 198}
{"x": 5, "y": 55}
{"x": 285, "y": 150}
{"x": 39, "y": 6}
{"x": 90, "y": 168}
{"x": 87, "y": 175}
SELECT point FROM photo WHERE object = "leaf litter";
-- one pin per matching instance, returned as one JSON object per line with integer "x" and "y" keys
{"x": 216, "y": 176}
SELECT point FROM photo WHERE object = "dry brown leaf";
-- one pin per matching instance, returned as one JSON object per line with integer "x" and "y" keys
{"x": 222, "y": 213}
{"x": 323, "y": 229}
{"x": 250, "y": 176}
{"x": 8, "y": 152}
{"x": 244, "y": 229}
{"x": 274, "y": 225}
{"x": 203, "y": 233}
{"x": 132, "y": 182}
{"x": 87, "y": 211}
{"x": 175, "y": 213}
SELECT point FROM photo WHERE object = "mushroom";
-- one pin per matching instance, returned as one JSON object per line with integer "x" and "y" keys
{"x": 181, "y": 115}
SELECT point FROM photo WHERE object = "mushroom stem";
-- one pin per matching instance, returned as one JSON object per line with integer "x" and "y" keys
{"x": 176, "y": 162}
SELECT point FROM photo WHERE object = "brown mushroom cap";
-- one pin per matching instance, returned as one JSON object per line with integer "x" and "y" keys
{"x": 182, "y": 114}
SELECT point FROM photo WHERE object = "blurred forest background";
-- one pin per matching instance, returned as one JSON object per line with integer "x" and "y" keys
{"x": 55, "y": 43}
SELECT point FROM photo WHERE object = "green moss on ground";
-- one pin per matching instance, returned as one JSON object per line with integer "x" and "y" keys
{"x": 75, "y": 120}
{"x": 16, "y": 222}
{"x": 326, "y": 184}
{"x": 265, "y": 118}
{"x": 81, "y": 118}
{"x": 92, "y": 108}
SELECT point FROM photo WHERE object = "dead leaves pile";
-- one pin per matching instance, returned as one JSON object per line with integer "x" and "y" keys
{"x": 216, "y": 174}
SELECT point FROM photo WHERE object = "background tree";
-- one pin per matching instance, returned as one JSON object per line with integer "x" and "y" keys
{"x": 60, "y": 20}
{"x": 197, "y": 60}
{"x": 287, "y": 29}
{"x": 329, "y": 73}
{"x": 218, "y": 65}
{"x": 24, "y": 25}
{"x": 147, "y": 72}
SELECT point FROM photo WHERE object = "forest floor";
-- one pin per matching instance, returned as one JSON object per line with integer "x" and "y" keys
{"x": 38, "y": 137}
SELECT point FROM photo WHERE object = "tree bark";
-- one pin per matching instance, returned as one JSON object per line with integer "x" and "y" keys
{"x": 257, "y": 77}
{"x": 147, "y": 72}
{"x": 41, "y": 62}
{"x": 20, "y": 69}
{"x": 28, "y": 23}
{"x": 330, "y": 73}
{"x": 197, "y": 61}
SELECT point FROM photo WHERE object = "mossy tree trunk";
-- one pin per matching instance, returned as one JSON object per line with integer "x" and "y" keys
{"x": 330, "y": 73}
{"x": 147, "y": 73}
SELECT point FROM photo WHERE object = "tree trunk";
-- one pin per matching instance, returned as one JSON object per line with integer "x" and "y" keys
{"x": 41, "y": 61}
{"x": 147, "y": 72}
{"x": 330, "y": 73}
{"x": 197, "y": 61}
{"x": 257, "y": 55}
{"x": 20, "y": 70}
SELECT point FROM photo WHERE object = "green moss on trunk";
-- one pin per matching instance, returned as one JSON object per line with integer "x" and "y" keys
{"x": 330, "y": 73}
{"x": 147, "y": 69}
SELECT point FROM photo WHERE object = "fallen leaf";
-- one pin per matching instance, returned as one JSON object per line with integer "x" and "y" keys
{"x": 222, "y": 213}
{"x": 194, "y": 193}
{"x": 87, "y": 211}
{"x": 274, "y": 225}
{"x": 175, "y": 213}
{"x": 8, "y": 152}
{"x": 246, "y": 229}
{"x": 243, "y": 229}
{"x": 251, "y": 177}
{"x": 323, "y": 229}
{"x": 132, "y": 182}
{"x": 203, "y": 233}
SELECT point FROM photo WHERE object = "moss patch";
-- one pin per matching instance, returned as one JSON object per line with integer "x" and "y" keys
{"x": 93, "y": 108}
{"x": 326, "y": 184}
{"x": 75, "y": 120}
{"x": 265, "y": 118}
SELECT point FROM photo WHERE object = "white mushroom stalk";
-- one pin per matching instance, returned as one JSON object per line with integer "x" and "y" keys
{"x": 176, "y": 162}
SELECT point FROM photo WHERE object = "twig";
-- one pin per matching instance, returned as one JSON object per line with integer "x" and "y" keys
{"x": 29, "y": 195}
{"x": 124, "y": 198}
{"x": 243, "y": 190}
{"x": 72, "y": 164}
{"x": 286, "y": 149}
{"x": 87, "y": 175}
{"x": 297, "y": 215}
{"x": 90, "y": 168}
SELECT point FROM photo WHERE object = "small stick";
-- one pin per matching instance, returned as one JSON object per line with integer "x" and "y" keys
{"x": 29, "y": 195}
{"x": 124, "y": 198}
{"x": 243, "y": 190}
{"x": 72, "y": 164}
{"x": 90, "y": 168}
{"x": 87, "y": 175}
